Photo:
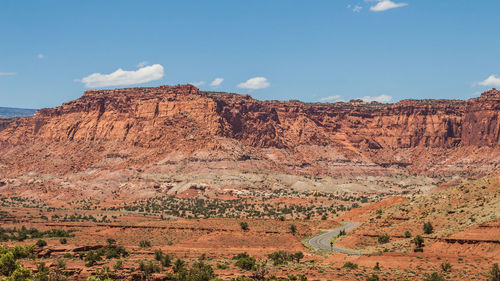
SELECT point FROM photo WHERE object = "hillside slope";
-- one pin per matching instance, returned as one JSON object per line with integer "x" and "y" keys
{"x": 179, "y": 130}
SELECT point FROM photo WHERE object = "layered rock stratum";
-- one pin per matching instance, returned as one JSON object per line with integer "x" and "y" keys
{"x": 168, "y": 131}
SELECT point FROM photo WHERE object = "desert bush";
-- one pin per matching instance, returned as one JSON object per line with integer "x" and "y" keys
{"x": 244, "y": 261}
{"x": 244, "y": 226}
{"x": 374, "y": 277}
{"x": 494, "y": 274}
{"x": 279, "y": 257}
{"x": 41, "y": 243}
{"x": 118, "y": 265}
{"x": 419, "y": 241}
{"x": 428, "y": 228}
{"x": 158, "y": 254}
{"x": 297, "y": 256}
{"x": 446, "y": 266}
{"x": 179, "y": 265}
{"x": 92, "y": 258}
{"x": 8, "y": 263}
{"x": 144, "y": 244}
{"x": 407, "y": 234}
{"x": 350, "y": 265}
{"x": 434, "y": 277}
{"x": 148, "y": 267}
{"x": 383, "y": 239}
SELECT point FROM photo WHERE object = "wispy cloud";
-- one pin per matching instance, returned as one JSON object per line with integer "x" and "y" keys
{"x": 357, "y": 8}
{"x": 381, "y": 98}
{"x": 40, "y": 56}
{"x": 255, "y": 83}
{"x": 385, "y": 5}
{"x": 493, "y": 81}
{"x": 142, "y": 64}
{"x": 123, "y": 77}
{"x": 7, "y": 73}
{"x": 331, "y": 98}
{"x": 217, "y": 82}
{"x": 197, "y": 84}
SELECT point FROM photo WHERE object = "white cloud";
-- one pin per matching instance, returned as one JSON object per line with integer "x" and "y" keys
{"x": 381, "y": 98}
{"x": 493, "y": 80}
{"x": 197, "y": 84}
{"x": 40, "y": 56}
{"x": 7, "y": 73}
{"x": 123, "y": 77}
{"x": 331, "y": 98}
{"x": 217, "y": 82}
{"x": 142, "y": 64}
{"x": 385, "y": 5}
{"x": 255, "y": 83}
{"x": 357, "y": 9}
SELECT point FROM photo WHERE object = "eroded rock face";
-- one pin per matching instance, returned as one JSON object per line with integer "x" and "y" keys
{"x": 143, "y": 125}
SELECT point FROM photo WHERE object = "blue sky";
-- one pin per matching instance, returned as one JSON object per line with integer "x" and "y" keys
{"x": 52, "y": 51}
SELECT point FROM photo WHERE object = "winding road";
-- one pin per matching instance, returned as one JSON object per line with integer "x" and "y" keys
{"x": 322, "y": 241}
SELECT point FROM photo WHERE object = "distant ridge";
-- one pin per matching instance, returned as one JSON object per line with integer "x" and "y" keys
{"x": 9, "y": 112}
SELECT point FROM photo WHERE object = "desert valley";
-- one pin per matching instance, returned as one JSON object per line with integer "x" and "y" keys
{"x": 175, "y": 183}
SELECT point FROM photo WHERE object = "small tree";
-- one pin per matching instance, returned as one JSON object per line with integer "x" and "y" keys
{"x": 179, "y": 266}
{"x": 144, "y": 244}
{"x": 298, "y": 256}
{"x": 166, "y": 260}
{"x": 244, "y": 261}
{"x": 260, "y": 270}
{"x": 377, "y": 266}
{"x": 350, "y": 265}
{"x": 428, "y": 228}
{"x": 494, "y": 273}
{"x": 446, "y": 266}
{"x": 383, "y": 239}
{"x": 293, "y": 229}
{"x": 41, "y": 243}
{"x": 419, "y": 241}
{"x": 158, "y": 254}
{"x": 244, "y": 225}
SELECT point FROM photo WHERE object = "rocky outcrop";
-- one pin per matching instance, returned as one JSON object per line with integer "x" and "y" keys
{"x": 147, "y": 123}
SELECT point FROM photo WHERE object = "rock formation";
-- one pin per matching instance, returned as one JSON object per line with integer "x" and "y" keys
{"x": 180, "y": 125}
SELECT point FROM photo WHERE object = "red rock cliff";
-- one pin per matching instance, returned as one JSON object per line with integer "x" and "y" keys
{"x": 183, "y": 118}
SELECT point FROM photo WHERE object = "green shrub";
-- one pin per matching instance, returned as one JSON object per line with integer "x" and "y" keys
{"x": 244, "y": 226}
{"x": 245, "y": 262}
{"x": 446, "y": 266}
{"x": 494, "y": 274}
{"x": 428, "y": 228}
{"x": 419, "y": 241}
{"x": 434, "y": 277}
{"x": 8, "y": 263}
{"x": 374, "y": 277}
{"x": 145, "y": 244}
{"x": 350, "y": 265}
{"x": 408, "y": 234}
{"x": 222, "y": 266}
{"x": 118, "y": 265}
{"x": 383, "y": 239}
{"x": 41, "y": 243}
